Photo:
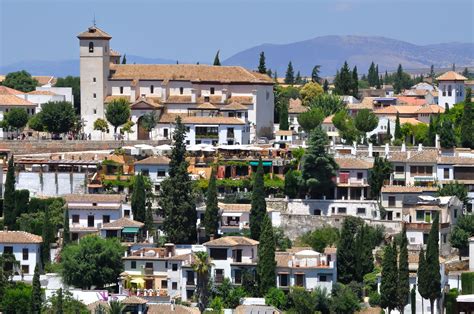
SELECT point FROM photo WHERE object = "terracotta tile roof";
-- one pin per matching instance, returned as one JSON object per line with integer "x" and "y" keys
{"x": 94, "y": 32}
{"x": 171, "y": 118}
{"x": 411, "y": 100}
{"x": 431, "y": 109}
{"x": 207, "y": 106}
{"x": 231, "y": 241}
{"x": 42, "y": 92}
{"x": 284, "y": 132}
{"x": 214, "y": 99}
{"x": 234, "y": 106}
{"x": 93, "y": 198}
{"x": 110, "y": 98}
{"x": 12, "y": 100}
{"x": 4, "y": 90}
{"x": 330, "y": 250}
{"x": 171, "y": 309}
{"x": 411, "y": 121}
{"x": 187, "y": 72}
{"x": 455, "y": 160}
{"x": 353, "y": 163}
{"x": 414, "y": 92}
{"x": 154, "y": 160}
{"x": 146, "y": 102}
{"x": 122, "y": 223}
{"x": 407, "y": 189}
{"x": 183, "y": 257}
{"x": 409, "y": 109}
{"x": 114, "y": 53}
{"x": 19, "y": 237}
{"x": 296, "y": 106}
{"x": 235, "y": 207}
{"x": 246, "y": 100}
{"x": 451, "y": 76}
{"x": 282, "y": 259}
{"x": 424, "y": 156}
{"x": 367, "y": 103}
{"x": 179, "y": 99}
{"x": 92, "y": 306}
{"x": 134, "y": 300}
{"x": 45, "y": 79}
{"x": 328, "y": 119}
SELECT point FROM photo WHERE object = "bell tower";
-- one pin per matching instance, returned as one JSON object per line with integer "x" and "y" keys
{"x": 94, "y": 53}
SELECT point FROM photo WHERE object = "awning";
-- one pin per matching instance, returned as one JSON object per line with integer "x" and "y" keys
{"x": 231, "y": 214}
{"x": 130, "y": 230}
{"x": 265, "y": 163}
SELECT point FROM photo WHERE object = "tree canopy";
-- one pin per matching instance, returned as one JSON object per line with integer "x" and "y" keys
{"x": 309, "y": 92}
{"x": 20, "y": 80}
{"x": 262, "y": 68}
{"x": 258, "y": 208}
{"x": 75, "y": 83}
{"x": 117, "y": 112}
{"x": 365, "y": 121}
{"x": 139, "y": 198}
{"x": 467, "y": 124}
{"x": 290, "y": 74}
{"x": 211, "y": 215}
{"x": 266, "y": 257}
{"x": 58, "y": 117}
{"x": 16, "y": 118}
{"x": 217, "y": 61}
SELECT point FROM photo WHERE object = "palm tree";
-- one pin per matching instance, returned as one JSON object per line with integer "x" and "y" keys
{"x": 202, "y": 267}
{"x": 116, "y": 307}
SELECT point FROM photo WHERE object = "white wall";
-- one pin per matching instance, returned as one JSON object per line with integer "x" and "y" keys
{"x": 457, "y": 93}
{"x": 34, "y": 257}
{"x": 307, "y": 207}
{"x": 97, "y": 213}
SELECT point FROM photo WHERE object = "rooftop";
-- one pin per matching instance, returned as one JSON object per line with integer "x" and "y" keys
{"x": 19, "y": 237}
{"x": 407, "y": 189}
{"x": 93, "y": 198}
{"x": 154, "y": 160}
{"x": 171, "y": 118}
{"x": 231, "y": 241}
{"x": 122, "y": 223}
{"x": 353, "y": 163}
{"x": 451, "y": 76}
{"x": 94, "y": 32}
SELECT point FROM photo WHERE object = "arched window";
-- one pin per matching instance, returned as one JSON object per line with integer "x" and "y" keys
{"x": 152, "y": 89}
{"x": 91, "y": 46}
{"x": 444, "y": 90}
{"x": 181, "y": 90}
{"x": 460, "y": 90}
{"x": 450, "y": 90}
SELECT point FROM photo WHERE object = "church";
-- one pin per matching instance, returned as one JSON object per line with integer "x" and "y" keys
{"x": 217, "y": 104}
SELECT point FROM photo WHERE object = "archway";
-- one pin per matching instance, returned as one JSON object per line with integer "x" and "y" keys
{"x": 143, "y": 134}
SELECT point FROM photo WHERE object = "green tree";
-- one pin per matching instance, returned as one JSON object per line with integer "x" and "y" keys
{"x": 398, "y": 80}
{"x": 388, "y": 286}
{"x": 16, "y": 298}
{"x": 75, "y": 83}
{"x": 258, "y": 209}
{"x": 284, "y": 124}
{"x": 371, "y": 76}
{"x": 211, "y": 215}
{"x": 36, "y": 293}
{"x": 315, "y": 74}
{"x": 275, "y": 297}
{"x": 290, "y": 74}
{"x": 433, "y": 286}
{"x": 117, "y": 112}
{"x": 432, "y": 73}
{"x": 217, "y": 62}
{"x": 423, "y": 275}
{"x": 365, "y": 121}
{"x": 21, "y": 80}
{"x": 389, "y": 135}
{"x": 343, "y": 85}
{"x": 64, "y": 302}
{"x": 48, "y": 237}
{"x": 124, "y": 59}
{"x": 344, "y": 300}
{"x": 300, "y": 301}
{"x": 262, "y": 68}
{"x": 431, "y": 134}
{"x": 291, "y": 183}
{"x": 326, "y": 86}
{"x": 139, "y": 199}
{"x": 149, "y": 226}
{"x": 446, "y": 135}
{"x": 177, "y": 201}
{"x": 346, "y": 254}
{"x": 467, "y": 124}
{"x": 318, "y": 167}
{"x": 266, "y": 257}
{"x": 101, "y": 125}
{"x": 413, "y": 299}
{"x": 93, "y": 262}
{"x": 460, "y": 234}
{"x": 309, "y": 92}
{"x": 345, "y": 124}
{"x": 202, "y": 266}
{"x": 321, "y": 238}
{"x": 282, "y": 242}
{"x": 454, "y": 189}
{"x": 16, "y": 118}
{"x": 66, "y": 232}
{"x": 355, "y": 82}
{"x": 298, "y": 79}
{"x": 398, "y": 129}
{"x": 149, "y": 121}
{"x": 9, "y": 197}
{"x": 36, "y": 123}
{"x": 364, "y": 263}
{"x": 403, "y": 289}
{"x": 380, "y": 172}
{"x": 311, "y": 119}
{"x": 58, "y": 116}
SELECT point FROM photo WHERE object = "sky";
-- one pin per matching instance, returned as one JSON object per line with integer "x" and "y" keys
{"x": 193, "y": 30}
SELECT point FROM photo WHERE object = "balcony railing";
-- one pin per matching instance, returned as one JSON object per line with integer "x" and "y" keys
{"x": 208, "y": 135}
{"x": 148, "y": 271}
{"x": 351, "y": 181}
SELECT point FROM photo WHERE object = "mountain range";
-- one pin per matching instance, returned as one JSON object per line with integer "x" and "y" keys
{"x": 328, "y": 51}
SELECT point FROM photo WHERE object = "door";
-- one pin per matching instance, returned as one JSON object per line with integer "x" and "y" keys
{"x": 148, "y": 283}
{"x": 143, "y": 134}
{"x": 90, "y": 221}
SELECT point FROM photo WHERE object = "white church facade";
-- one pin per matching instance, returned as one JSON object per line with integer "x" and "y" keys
{"x": 217, "y": 104}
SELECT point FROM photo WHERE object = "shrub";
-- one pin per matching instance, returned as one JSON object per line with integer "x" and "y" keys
{"x": 374, "y": 299}
{"x": 467, "y": 283}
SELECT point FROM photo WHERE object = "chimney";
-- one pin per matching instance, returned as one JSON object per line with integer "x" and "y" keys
{"x": 404, "y": 147}
{"x": 420, "y": 147}
{"x": 437, "y": 144}
{"x": 387, "y": 149}
{"x": 371, "y": 150}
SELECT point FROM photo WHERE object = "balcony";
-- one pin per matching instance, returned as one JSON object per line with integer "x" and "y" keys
{"x": 230, "y": 135}
{"x": 310, "y": 263}
{"x": 190, "y": 282}
{"x": 347, "y": 181}
{"x": 148, "y": 271}
{"x": 207, "y": 135}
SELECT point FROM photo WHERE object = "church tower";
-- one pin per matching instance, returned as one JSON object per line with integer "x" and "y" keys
{"x": 94, "y": 71}
{"x": 450, "y": 89}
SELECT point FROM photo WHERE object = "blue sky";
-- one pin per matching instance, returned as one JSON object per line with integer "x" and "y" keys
{"x": 194, "y": 30}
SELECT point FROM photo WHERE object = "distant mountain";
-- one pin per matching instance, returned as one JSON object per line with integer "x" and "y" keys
{"x": 331, "y": 52}
{"x": 68, "y": 67}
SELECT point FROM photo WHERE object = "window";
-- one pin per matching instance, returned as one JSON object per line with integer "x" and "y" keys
{"x": 391, "y": 201}
{"x": 121, "y": 89}
{"x": 145, "y": 172}
{"x": 133, "y": 265}
{"x": 174, "y": 285}
{"x": 412, "y": 240}
{"x": 420, "y": 215}
{"x": 75, "y": 218}
{"x": 161, "y": 173}
{"x": 91, "y": 47}
{"x": 455, "y": 213}
{"x": 165, "y": 133}
{"x": 25, "y": 254}
{"x": 445, "y": 238}
{"x": 25, "y": 269}
{"x": 95, "y": 111}
{"x": 149, "y": 265}
{"x": 152, "y": 89}
{"x": 333, "y": 210}
{"x": 283, "y": 280}
{"x": 90, "y": 221}
{"x": 317, "y": 212}
{"x": 212, "y": 90}
{"x": 94, "y": 96}
{"x": 157, "y": 188}
{"x": 446, "y": 173}
{"x": 237, "y": 276}
{"x": 341, "y": 210}
{"x": 323, "y": 278}
{"x": 398, "y": 215}
{"x": 450, "y": 90}
{"x": 105, "y": 219}
{"x": 206, "y": 98}
{"x": 189, "y": 294}
{"x": 360, "y": 175}
{"x": 94, "y": 79}
{"x": 164, "y": 284}
{"x": 126, "y": 213}
{"x": 218, "y": 254}
{"x": 360, "y": 211}
{"x": 299, "y": 280}
{"x": 219, "y": 275}
{"x": 174, "y": 267}
{"x": 181, "y": 90}
{"x": 75, "y": 236}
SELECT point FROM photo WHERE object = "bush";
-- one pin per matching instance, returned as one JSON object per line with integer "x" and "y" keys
{"x": 467, "y": 283}
{"x": 216, "y": 304}
{"x": 450, "y": 301}
{"x": 276, "y": 297}
{"x": 374, "y": 299}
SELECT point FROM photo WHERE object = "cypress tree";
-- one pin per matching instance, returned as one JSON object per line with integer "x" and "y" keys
{"x": 258, "y": 209}
{"x": 423, "y": 275}
{"x": 398, "y": 130}
{"x": 211, "y": 215}
{"x": 432, "y": 73}
{"x": 389, "y": 136}
{"x": 48, "y": 236}
{"x": 290, "y": 74}
{"x": 355, "y": 82}
{"x": 364, "y": 258}
{"x": 315, "y": 74}
{"x": 149, "y": 217}
{"x": 59, "y": 305}
{"x": 343, "y": 81}
{"x": 262, "y": 68}
{"x": 413, "y": 299}
{"x": 217, "y": 62}
{"x": 431, "y": 136}
{"x": 346, "y": 252}
{"x": 36, "y": 293}
{"x": 266, "y": 257}
{"x": 66, "y": 233}
{"x": 9, "y": 197}
{"x": 298, "y": 79}
{"x": 403, "y": 273}
{"x": 388, "y": 286}
{"x": 379, "y": 82}
{"x": 371, "y": 75}
{"x": 124, "y": 59}
{"x": 377, "y": 77}
{"x": 446, "y": 134}
{"x": 398, "y": 82}
{"x": 467, "y": 123}
{"x": 284, "y": 124}
{"x": 177, "y": 202}
{"x": 139, "y": 199}
{"x": 432, "y": 264}
{"x": 326, "y": 86}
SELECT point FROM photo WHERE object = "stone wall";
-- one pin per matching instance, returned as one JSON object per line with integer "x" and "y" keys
{"x": 49, "y": 146}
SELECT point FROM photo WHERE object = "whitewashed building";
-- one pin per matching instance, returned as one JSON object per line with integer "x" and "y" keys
{"x": 172, "y": 89}
{"x": 451, "y": 89}
{"x": 155, "y": 167}
{"x": 26, "y": 248}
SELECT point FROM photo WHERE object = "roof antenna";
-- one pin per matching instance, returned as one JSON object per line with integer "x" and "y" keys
{"x": 93, "y": 21}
